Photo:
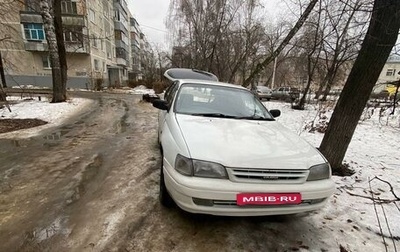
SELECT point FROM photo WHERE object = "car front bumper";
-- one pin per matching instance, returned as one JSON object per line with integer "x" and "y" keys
{"x": 218, "y": 196}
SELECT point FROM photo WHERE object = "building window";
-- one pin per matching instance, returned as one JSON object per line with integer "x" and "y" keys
{"x": 34, "y": 31}
{"x": 121, "y": 53}
{"x": 95, "y": 42}
{"x": 46, "y": 61}
{"x": 104, "y": 66}
{"x": 81, "y": 73}
{"x": 73, "y": 34}
{"x": 117, "y": 15}
{"x": 106, "y": 9}
{"x": 108, "y": 50}
{"x": 96, "y": 65}
{"x": 391, "y": 72}
{"x": 118, "y": 35}
{"x": 68, "y": 7}
{"x": 92, "y": 16}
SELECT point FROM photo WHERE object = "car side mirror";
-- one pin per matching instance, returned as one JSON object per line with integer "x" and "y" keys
{"x": 275, "y": 112}
{"x": 160, "y": 104}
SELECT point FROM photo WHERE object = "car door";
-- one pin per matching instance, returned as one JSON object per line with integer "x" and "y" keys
{"x": 280, "y": 92}
{"x": 169, "y": 97}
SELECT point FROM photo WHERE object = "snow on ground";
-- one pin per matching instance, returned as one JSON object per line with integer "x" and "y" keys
{"x": 351, "y": 216}
{"x": 53, "y": 113}
{"x": 373, "y": 151}
{"x": 141, "y": 90}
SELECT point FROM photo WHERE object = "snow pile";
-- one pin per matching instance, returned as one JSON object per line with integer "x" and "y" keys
{"x": 53, "y": 113}
{"x": 141, "y": 90}
{"x": 29, "y": 87}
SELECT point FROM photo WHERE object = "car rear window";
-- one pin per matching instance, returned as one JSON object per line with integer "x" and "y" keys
{"x": 183, "y": 73}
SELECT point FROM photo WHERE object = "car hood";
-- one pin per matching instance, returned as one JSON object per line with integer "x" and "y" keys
{"x": 246, "y": 143}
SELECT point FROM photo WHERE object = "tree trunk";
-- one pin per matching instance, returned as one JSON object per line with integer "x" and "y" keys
{"x": 377, "y": 45}
{"x": 53, "y": 50}
{"x": 320, "y": 89}
{"x": 395, "y": 98}
{"x": 292, "y": 32}
{"x": 3, "y": 77}
{"x": 62, "y": 86}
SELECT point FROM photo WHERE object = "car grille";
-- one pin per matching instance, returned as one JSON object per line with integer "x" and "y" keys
{"x": 268, "y": 175}
{"x": 233, "y": 203}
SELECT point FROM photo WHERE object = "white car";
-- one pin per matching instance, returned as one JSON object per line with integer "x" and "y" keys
{"x": 264, "y": 92}
{"x": 223, "y": 153}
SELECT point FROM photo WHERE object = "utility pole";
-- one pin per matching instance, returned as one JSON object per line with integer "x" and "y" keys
{"x": 273, "y": 74}
{"x": 3, "y": 77}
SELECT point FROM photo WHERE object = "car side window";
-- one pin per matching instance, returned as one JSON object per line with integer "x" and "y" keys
{"x": 170, "y": 93}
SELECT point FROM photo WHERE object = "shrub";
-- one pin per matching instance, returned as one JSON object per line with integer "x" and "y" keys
{"x": 98, "y": 84}
{"x": 159, "y": 87}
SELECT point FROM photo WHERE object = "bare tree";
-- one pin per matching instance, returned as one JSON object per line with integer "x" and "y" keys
{"x": 380, "y": 38}
{"x": 311, "y": 44}
{"x": 60, "y": 89}
{"x": 3, "y": 78}
{"x": 48, "y": 24}
{"x": 344, "y": 35}
{"x": 260, "y": 66}
{"x": 223, "y": 36}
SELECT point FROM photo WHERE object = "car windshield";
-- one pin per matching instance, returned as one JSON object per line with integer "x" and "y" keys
{"x": 219, "y": 101}
{"x": 263, "y": 89}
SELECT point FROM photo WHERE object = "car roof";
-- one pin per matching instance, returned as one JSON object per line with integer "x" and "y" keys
{"x": 174, "y": 74}
{"x": 213, "y": 83}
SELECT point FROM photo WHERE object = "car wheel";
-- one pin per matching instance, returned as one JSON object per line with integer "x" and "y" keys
{"x": 164, "y": 197}
{"x": 268, "y": 99}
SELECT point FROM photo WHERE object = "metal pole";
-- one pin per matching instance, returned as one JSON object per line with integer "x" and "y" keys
{"x": 273, "y": 74}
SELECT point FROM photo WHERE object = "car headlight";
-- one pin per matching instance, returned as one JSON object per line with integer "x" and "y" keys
{"x": 318, "y": 172}
{"x": 197, "y": 168}
{"x": 184, "y": 165}
{"x": 209, "y": 169}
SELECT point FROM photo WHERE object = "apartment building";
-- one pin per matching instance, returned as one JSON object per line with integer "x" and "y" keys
{"x": 389, "y": 73}
{"x": 96, "y": 35}
{"x": 136, "y": 38}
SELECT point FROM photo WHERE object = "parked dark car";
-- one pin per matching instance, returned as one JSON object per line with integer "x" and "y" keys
{"x": 286, "y": 93}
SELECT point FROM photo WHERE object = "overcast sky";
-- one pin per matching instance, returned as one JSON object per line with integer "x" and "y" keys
{"x": 151, "y": 15}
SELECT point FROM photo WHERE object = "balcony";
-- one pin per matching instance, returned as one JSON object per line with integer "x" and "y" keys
{"x": 37, "y": 46}
{"x": 75, "y": 20}
{"x": 121, "y": 44}
{"x": 122, "y": 62}
{"x": 119, "y": 26}
{"x": 77, "y": 48}
{"x": 34, "y": 17}
{"x": 30, "y": 17}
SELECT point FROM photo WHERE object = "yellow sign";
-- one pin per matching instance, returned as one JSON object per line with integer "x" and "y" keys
{"x": 391, "y": 89}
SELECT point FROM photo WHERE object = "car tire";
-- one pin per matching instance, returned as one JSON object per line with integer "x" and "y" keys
{"x": 164, "y": 197}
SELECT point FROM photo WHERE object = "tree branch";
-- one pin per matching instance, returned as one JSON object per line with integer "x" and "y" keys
{"x": 293, "y": 31}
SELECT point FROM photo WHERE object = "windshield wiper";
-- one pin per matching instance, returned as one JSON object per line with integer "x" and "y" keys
{"x": 233, "y": 117}
{"x": 213, "y": 115}
{"x": 254, "y": 118}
